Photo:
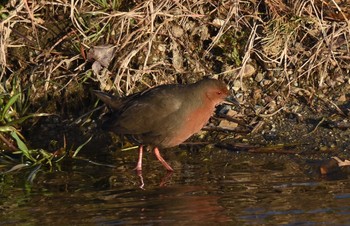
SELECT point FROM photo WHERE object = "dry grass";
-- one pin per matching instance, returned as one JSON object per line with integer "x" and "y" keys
{"x": 297, "y": 44}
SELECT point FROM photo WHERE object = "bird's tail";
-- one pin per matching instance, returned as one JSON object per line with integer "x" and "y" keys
{"x": 111, "y": 101}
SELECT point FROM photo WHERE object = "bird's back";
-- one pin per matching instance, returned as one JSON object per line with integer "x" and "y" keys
{"x": 151, "y": 116}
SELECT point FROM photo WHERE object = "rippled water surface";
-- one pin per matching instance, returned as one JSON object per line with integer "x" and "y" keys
{"x": 208, "y": 186}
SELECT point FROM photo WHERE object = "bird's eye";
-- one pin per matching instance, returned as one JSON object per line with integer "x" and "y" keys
{"x": 218, "y": 93}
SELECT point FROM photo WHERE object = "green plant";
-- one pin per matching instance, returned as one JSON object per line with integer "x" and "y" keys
{"x": 14, "y": 107}
{"x": 11, "y": 119}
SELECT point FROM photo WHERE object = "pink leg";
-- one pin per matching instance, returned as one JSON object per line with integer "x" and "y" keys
{"x": 160, "y": 158}
{"x": 139, "y": 162}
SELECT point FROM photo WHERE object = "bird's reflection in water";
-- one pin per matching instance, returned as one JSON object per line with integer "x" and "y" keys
{"x": 182, "y": 203}
{"x": 171, "y": 204}
{"x": 162, "y": 183}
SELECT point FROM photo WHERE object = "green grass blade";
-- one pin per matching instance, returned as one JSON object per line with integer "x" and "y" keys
{"x": 80, "y": 147}
{"x": 7, "y": 128}
{"x": 12, "y": 100}
{"x": 22, "y": 146}
{"x": 16, "y": 167}
{"x": 21, "y": 120}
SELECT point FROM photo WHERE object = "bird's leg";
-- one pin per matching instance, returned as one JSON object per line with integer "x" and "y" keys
{"x": 139, "y": 162}
{"x": 160, "y": 158}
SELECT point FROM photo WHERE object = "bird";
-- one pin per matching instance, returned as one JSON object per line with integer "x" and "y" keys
{"x": 163, "y": 116}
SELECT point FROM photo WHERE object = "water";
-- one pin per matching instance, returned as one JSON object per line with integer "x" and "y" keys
{"x": 208, "y": 187}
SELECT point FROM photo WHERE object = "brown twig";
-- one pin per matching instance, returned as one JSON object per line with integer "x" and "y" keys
{"x": 8, "y": 143}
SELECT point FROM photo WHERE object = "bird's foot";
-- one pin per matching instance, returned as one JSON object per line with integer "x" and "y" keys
{"x": 166, "y": 179}
{"x": 160, "y": 158}
{"x": 142, "y": 184}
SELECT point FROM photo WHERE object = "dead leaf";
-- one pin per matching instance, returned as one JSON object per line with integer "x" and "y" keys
{"x": 101, "y": 54}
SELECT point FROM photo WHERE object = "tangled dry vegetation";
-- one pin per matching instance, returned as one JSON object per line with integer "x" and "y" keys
{"x": 274, "y": 53}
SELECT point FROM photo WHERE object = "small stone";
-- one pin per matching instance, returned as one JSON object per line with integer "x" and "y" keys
{"x": 266, "y": 82}
{"x": 236, "y": 85}
{"x": 218, "y": 22}
{"x": 249, "y": 70}
{"x": 342, "y": 98}
{"x": 162, "y": 47}
{"x": 177, "y": 31}
{"x": 259, "y": 77}
{"x": 228, "y": 124}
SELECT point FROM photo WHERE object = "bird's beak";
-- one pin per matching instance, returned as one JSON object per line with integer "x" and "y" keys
{"x": 230, "y": 100}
